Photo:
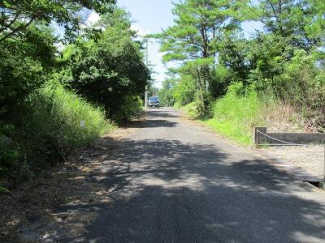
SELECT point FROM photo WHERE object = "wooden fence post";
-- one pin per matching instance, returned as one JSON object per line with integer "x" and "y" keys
{"x": 257, "y": 135}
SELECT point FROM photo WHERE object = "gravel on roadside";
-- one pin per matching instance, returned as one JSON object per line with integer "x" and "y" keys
{"x": 308, "y": 157}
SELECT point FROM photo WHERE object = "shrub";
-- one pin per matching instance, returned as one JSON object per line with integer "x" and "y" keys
{"x": 302, "y": 85}
{"x": 108, "y": 70}
{"x": 237, "y": 113}
{"x": 57, "y": 110}
{"x": 56, "y": 121}
{"x": 177, "y": 105}
{"x": 8, "y": 151}
{"x": 130, "y": 107}
{"x": 191, "y": 110}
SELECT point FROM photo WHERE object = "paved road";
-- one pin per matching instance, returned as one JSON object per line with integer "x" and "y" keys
{"x": 175, "y": 182}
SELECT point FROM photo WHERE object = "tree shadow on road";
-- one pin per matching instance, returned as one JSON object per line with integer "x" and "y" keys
{"x": 162, "y": 114}
{"x": 157, "y": 123}
{"x": 167, "y": 191}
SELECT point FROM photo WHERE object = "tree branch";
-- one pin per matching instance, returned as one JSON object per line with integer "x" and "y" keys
{"x": 14, "y": 31}
{"x": 6, "y": 26}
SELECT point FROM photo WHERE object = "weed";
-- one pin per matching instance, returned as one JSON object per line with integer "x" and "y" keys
{"x": 191, "y": 110}
{"x": 57, "y": 122}
{"x": 235, "y": 115}
{"x": 4, "y": 190}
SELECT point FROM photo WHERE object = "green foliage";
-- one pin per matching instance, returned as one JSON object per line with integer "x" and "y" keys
{"x": 9, "y": 153}
{"x": 165, "y": 95}
{"x": 221, "y": 78}
{"x": 285, "y": 61}
{"x": 106, "y": 67}
{"x": 289, "y": 19}
{"x": 4, "y": 190}
{"x": 177, "y": 105}
{"x": 152, "y": 91}
{"x": 316, "y": 28}
{"x": 303, "y": 85}
{"x": 235, "y": 114}
{"x": 49, "y": 131}
{"x": 191, "y": 41}
{"x": 42, "y": 121}
{"x": 235, "y": 63}
{"x": 267, "y": 55}
{"x": 184, "y": 90}
{"x": 131, "y": 108}
{"x": 191, "y": 110}
{"x": 24, "y": 67}
{"x": 31, "y": 11}
{"x": 56, "y": 112}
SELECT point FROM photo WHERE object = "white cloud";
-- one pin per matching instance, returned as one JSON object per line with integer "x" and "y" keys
{"x": 140, "y": 31}
{"x": 58, "y": 30}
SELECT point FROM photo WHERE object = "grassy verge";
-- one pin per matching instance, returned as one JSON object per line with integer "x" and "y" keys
{"x": 54, "y": 123}
{"x": 234, "y": 116}
{"x": 59, "y": 110}
{"x": 191, "y": 110}
{"x": 227, "y": 129}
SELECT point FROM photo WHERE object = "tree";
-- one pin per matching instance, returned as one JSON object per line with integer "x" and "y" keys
{"x": 17, "y": 15}
{"x": 27, "y": 42}
{"x": 234, "y": 54}
{"x": 316, "y": 28}
{"x": 25, "y": 65}
{"x": 287, "y": 30}
{"x": 106, "y": 66}
{"x": 191, "y": 41}
{"x": 289, "y": 19}
{"x": 184, "y": 90}
{"x": 166, "y": 93}
{"x": 152, "y": 90}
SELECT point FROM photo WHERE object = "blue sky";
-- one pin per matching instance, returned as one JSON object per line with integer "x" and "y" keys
{"x": 151, "y": 16}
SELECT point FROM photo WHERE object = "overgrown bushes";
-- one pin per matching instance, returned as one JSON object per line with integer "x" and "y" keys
{"x": 101, "y": 65}
{"x": 191, "y": 110}
{"x": 130, "y": 107}
{"x": 237, "y": 113}
{"x": 56, "y": 122}
{"x": 107, "y": 67}
{"x": 57, "y": 110}
{"x": 302, "y": 84}
{"x": 242, "y": 108}
{"x": 285, "y": 60}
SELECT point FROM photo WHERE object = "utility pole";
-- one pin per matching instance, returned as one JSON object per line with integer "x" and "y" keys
{"x": 147, "y": 64}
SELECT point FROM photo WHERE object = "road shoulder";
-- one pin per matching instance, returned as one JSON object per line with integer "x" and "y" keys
{"x": 35, "y": 211}
{"x": 303, "y": 167}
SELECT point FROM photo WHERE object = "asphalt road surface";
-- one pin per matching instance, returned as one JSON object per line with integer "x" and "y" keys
{"x": 176, "y": 182}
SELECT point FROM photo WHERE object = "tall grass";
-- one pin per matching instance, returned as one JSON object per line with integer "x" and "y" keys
{"x": 237, "y": 113}
{"x": 191, "y": 110}
{"x": 240, "y": 110}
{"x": 76, "y": 122}
{"x": 54, "y": 122}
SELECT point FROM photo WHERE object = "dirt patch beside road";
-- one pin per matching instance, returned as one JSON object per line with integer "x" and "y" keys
{"x": 29, "y": 214}
{"x": 309, "y": 158}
